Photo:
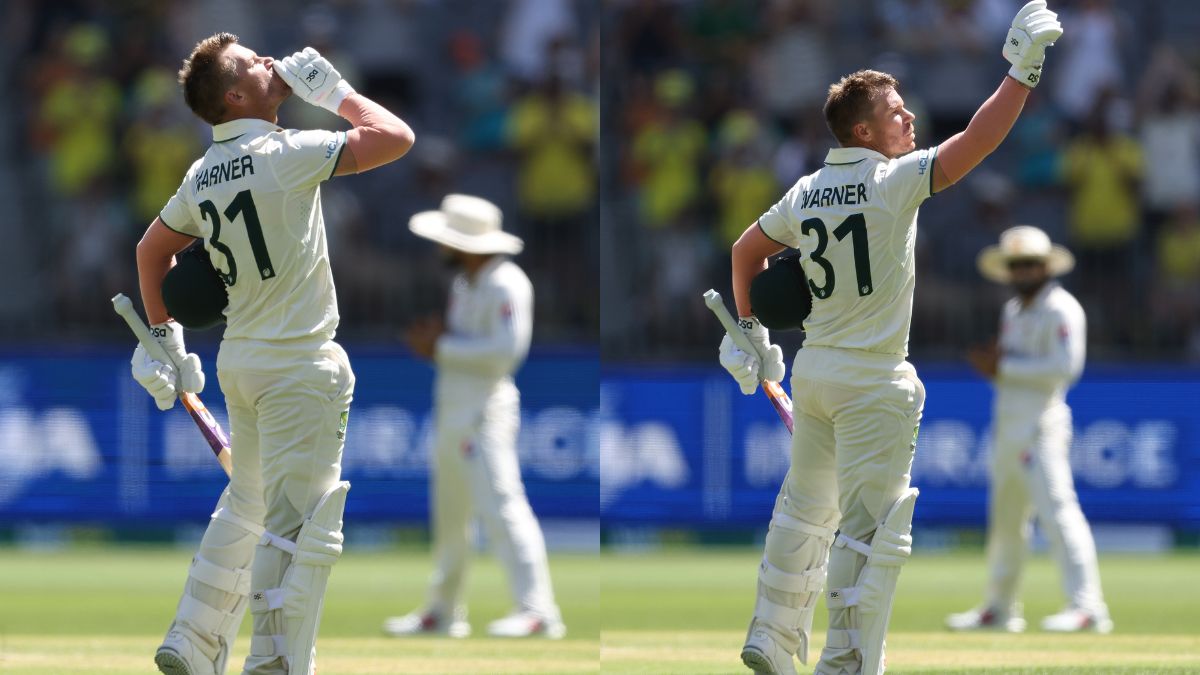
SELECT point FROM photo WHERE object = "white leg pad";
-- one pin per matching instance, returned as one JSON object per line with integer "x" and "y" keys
{"x": 786, "y": 600}
{"x": 215, "y": 595}
{"x": 268, "y": 646}
{"x": 871, "y": 598}
{"x": 318, "y": 547}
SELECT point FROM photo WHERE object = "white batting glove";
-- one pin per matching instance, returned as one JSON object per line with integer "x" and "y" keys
{"x": 314, "y": 79}
{"x": 157, "y": 378}
{"x": 164, "y": 381}
{"x": 747, "y": 369}
{"x": 1033, "y": 29}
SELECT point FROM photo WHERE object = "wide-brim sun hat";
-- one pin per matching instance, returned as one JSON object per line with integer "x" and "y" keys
{"x": 466, "y": 223}
{"x": 1023, "y": 242}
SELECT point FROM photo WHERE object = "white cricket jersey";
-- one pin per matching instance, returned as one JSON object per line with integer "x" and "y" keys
{"x": 855, "y": 222}
{"x": 1042, "y": 349}
{"x": 489, "y": 323}
{"x": 255, "y": 200}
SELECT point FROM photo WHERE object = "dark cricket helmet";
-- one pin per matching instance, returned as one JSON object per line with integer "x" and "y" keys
{"x": 779, "y": 295}
{"x": 193, "y": 291}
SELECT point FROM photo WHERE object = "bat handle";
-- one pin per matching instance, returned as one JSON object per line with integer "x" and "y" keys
{"x": 124, "y": 306}
{"x": 716, "y": 304}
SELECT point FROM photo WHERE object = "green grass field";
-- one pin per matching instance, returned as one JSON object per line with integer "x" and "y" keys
{"x": 686, "y": 612}
{"x": 103, "y": 610}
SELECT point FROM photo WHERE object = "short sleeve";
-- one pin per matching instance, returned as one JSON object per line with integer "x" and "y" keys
{"x": 907, "y": 181}
{"x": 776, "y": 223}
{"x": 306, "y": 158}
{"x": 177, "y": 216}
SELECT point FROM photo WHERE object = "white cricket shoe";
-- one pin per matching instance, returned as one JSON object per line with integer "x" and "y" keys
{"x": 762, "y": 654}
{"x": 988, "y": 618}
{"x": 427, "y": 623}
{"x": 1073, "y": 619}
{"x": 522, "y": 624}
{"x": 178, "y": 656}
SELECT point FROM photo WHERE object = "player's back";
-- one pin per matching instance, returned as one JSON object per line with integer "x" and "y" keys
{"x": 854, "y": 220}
{"x": 254, "y": 197}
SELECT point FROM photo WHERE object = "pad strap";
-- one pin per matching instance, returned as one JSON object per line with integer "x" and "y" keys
{"x": 809, "y": 581}
{"x": 197, "y": 613}
{"x": 780, "y": 615}
{"x": 226, "y": 514}
{"x": 796, "y": 525}
{"x": 265, "y": 601}
{"x": 840, "y": 598}
{"x": 268, "y": 539}
{"x": 220, "y": 578}
{"x": 855, "y": 545}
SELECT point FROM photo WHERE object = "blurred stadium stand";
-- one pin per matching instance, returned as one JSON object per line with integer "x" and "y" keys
{"x": 96, "y": 138}
{"x": 717, "y": 108}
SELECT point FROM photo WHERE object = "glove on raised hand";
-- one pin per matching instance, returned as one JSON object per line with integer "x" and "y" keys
{"x": 1033, "y": 29}
{"x": 314, "y": 79}
{"x": 747, "y": 369}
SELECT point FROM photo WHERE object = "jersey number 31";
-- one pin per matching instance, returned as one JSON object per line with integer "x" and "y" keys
{"x": 856, "y": 227}
{"x": 242, "y": 204}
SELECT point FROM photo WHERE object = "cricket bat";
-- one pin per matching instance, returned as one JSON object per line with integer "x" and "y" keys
{"x": 211, "y": 430}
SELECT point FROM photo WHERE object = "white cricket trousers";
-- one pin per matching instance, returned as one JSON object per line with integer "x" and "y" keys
{"x": 476, "y": 472}
{"x": 856, "y": 419}
{"x": 288, "y": 404}
{"x": 1031, "y": 475}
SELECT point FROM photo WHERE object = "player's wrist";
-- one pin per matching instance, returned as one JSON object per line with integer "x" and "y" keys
{"x": 340, "y": 93}
{"x": 1026, "y": 76}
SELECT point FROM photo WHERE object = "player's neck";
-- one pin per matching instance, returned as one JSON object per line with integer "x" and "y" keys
{"x": 472, "y": 264}
{"x": 867, "y": 146}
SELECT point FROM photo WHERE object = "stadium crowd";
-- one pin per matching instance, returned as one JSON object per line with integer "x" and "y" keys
{"x": 97, "y": 137}
{"x": 717, "y": 108}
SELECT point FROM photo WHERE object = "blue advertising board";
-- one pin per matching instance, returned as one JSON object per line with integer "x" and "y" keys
{"x": 80, "y": 441}
{"x": 682, "y": 446}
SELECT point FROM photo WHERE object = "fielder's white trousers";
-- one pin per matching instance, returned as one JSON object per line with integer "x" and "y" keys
{"x": 1031, "y": 475}
{"x": 476, "y": 472}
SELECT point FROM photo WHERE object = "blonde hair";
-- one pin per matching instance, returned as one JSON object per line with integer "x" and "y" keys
{"x": 206, "y": 77}
{"x": 851, "y": 100}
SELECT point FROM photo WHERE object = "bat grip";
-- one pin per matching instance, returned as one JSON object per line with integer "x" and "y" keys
{"x": 124, "y": 306}
{"x": 716, "y": 304}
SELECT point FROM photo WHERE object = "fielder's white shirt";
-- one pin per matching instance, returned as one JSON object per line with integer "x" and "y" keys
{"x": 855, "y": 222}
{"x": 1042, "y": 350}
{"x": 255, "y": 200}
{"x": 489, "y": 324}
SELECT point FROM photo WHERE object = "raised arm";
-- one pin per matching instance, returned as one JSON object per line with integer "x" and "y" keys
{"x": 1033, "y": 29}
{"x": 962, "y": 152}
{"x": 378, "y": 136}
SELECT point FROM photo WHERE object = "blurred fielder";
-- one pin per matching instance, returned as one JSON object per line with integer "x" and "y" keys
{"x": 1039, "y": 356}
{"x": 478, "y": 411}
{"x": 858, "y": 402}
{"x": 254, "y": 199}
